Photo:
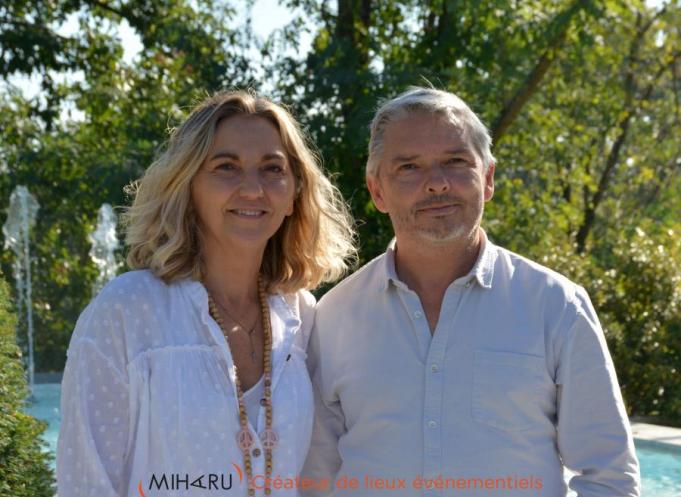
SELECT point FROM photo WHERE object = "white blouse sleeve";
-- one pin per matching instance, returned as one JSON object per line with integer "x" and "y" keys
{"x": 94, "y": 406}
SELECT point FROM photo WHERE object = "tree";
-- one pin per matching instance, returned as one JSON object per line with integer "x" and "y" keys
{"x": 582, "y": 98}
{"x": 573, "y": 91}
{"x": 74, "y": 167}
{"x": 25, "y": 467}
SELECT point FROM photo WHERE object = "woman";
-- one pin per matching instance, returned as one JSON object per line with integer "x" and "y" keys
{"x": 187, "y": 376}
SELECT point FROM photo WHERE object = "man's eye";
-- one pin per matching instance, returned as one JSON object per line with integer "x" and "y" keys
{"x": 455, "y": 161}
{"x": 410, "y": 166}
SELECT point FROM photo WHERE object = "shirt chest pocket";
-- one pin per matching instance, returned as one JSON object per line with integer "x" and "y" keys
{"x": 510, "y": 390}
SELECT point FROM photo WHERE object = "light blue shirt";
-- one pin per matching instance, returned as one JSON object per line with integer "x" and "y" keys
{"x": 515, "y": 382}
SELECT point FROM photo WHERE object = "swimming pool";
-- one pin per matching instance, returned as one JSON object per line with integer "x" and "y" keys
{"x": 660, "y": 467}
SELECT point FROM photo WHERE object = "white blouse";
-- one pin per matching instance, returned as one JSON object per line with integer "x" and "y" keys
{"x": 148, "y": 402}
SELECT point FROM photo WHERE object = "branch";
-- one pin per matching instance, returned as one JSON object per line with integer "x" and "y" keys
{"x": 512, "y": 109}
{"x": 613, "y": 157}
{"x": 36, "y": 27}
{"x": 107, "y": 7}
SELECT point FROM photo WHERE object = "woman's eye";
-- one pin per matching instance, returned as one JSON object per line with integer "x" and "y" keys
{"x": 226, "y": 167}
{"x": 274, "y": 168}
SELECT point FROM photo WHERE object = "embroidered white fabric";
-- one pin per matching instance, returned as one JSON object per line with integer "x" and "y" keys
{"x": 148, "y": 391}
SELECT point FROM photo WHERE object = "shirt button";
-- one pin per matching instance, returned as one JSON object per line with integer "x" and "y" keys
{"x": 435, "y": 368}
{"x": 256, "y": 452}
{"x": 418, "y": 314}
{"x": 468, "y": 283}
{"x": 432, "y": 424}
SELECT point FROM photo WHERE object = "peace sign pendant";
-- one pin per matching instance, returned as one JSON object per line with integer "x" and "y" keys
{"x": 244, "y": 440}
{"x": 269, "y": 439}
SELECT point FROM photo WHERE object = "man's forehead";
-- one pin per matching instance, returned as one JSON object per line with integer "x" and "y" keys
{"x": 417, "y": 123}
{"x": 411, "y": 140}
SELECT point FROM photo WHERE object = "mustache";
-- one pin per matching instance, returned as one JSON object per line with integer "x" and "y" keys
{"x": 437, "y": 200}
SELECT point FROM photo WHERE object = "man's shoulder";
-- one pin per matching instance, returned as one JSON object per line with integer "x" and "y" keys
{"x": 355, "y": 287}
{"x": 523, "y": 273}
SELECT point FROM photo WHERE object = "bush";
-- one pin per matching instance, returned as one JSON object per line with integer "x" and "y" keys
{"x": 24, "y": 466}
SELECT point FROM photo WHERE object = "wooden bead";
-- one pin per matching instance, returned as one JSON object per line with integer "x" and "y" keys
{"x": 267, "y": 373}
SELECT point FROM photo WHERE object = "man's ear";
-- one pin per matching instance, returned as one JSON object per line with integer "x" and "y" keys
{"x": 374, "y": 186}
{"x": 489, "y": 182}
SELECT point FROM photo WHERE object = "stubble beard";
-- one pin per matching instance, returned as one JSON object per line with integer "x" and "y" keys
{"x": 447, "y": 232}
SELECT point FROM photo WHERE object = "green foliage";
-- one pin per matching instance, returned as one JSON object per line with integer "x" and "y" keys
{"x": 24, "y": 467}
{"x": 583, "y": 99}
{"x": 585, "y": 104}
{"x": 640, "y": 302}
{"x": 74, "y": 167}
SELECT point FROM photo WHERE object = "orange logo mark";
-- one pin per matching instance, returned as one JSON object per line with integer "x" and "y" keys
{"x": 238, "y": 470}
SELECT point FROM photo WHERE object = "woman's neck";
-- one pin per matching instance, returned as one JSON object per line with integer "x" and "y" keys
{"x": 231, "y": 274}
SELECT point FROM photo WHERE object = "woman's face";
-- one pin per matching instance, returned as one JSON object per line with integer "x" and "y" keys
{"x": 245, "y": 188}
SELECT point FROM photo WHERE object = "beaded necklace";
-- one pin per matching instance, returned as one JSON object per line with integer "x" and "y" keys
{"x": 244, "y": 437}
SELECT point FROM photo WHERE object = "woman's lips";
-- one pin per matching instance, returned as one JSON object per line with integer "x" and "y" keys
{"x": 248, "y": 213}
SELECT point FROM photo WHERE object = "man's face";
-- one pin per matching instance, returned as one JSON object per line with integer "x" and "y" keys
{"x": 430, "y": 181}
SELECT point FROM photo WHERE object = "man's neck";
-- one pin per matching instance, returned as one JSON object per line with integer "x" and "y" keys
{"x": 429, "y": 269}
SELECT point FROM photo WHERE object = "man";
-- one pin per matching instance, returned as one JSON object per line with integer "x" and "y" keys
{"x": 449, "y": 366}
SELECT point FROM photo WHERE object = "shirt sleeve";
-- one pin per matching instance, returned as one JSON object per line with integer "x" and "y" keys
{"x": 323, "y": 459}
{"x": 594, "y": 435}
{"x": 94, "y": 411}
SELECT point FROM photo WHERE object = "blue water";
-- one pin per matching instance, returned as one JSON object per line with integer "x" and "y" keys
{"x": 660, "y": 469}
{"x": 45, "y": 406}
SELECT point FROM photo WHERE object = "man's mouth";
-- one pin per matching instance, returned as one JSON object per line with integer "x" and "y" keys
{"x": 439, "y": 209}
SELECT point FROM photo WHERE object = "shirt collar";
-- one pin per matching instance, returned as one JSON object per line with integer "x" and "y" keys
{"x": 482, "y": 271}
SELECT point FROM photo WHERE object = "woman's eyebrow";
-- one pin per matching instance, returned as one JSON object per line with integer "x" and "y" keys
{"x": 274, "y": 155}
{"x": 225, "y": 155}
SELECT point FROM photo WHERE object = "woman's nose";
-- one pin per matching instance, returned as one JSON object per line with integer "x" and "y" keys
{"x": 251, "y": 185}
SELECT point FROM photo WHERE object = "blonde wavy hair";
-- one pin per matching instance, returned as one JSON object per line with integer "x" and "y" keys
{"x": 314, "y": 245}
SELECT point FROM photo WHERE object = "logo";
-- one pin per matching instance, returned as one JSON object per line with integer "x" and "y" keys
{"x": 176, "y": 481}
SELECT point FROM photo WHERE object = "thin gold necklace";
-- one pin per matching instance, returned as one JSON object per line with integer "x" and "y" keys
{"x": 239, "y": 326}
{"x": 268, "y": 438}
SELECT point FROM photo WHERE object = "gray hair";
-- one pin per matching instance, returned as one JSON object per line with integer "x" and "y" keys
{"x": 417, "y": 98}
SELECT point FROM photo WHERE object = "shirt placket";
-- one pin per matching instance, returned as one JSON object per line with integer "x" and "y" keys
{"x": 434, "y": 383}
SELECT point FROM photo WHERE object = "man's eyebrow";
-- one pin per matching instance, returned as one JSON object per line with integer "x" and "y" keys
{"x": 225, "y": 155}
{"x": 457, "y": 151}
{"x": 404, "y": 158}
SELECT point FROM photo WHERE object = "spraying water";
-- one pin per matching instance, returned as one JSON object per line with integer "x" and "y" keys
{"x": 104, "y": 243}
{"x": 22, "y": 212}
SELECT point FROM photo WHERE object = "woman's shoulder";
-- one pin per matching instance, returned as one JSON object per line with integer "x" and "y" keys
{"x": 301, "y": 302}
{"x": 125, "y": 285}
{"x": 306, "y": 299}
{"x": 136, "y": 291}
{"x": 119, "y": 305}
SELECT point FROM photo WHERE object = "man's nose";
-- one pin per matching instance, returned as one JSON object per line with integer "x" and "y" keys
{"x": 437, "y": 181}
